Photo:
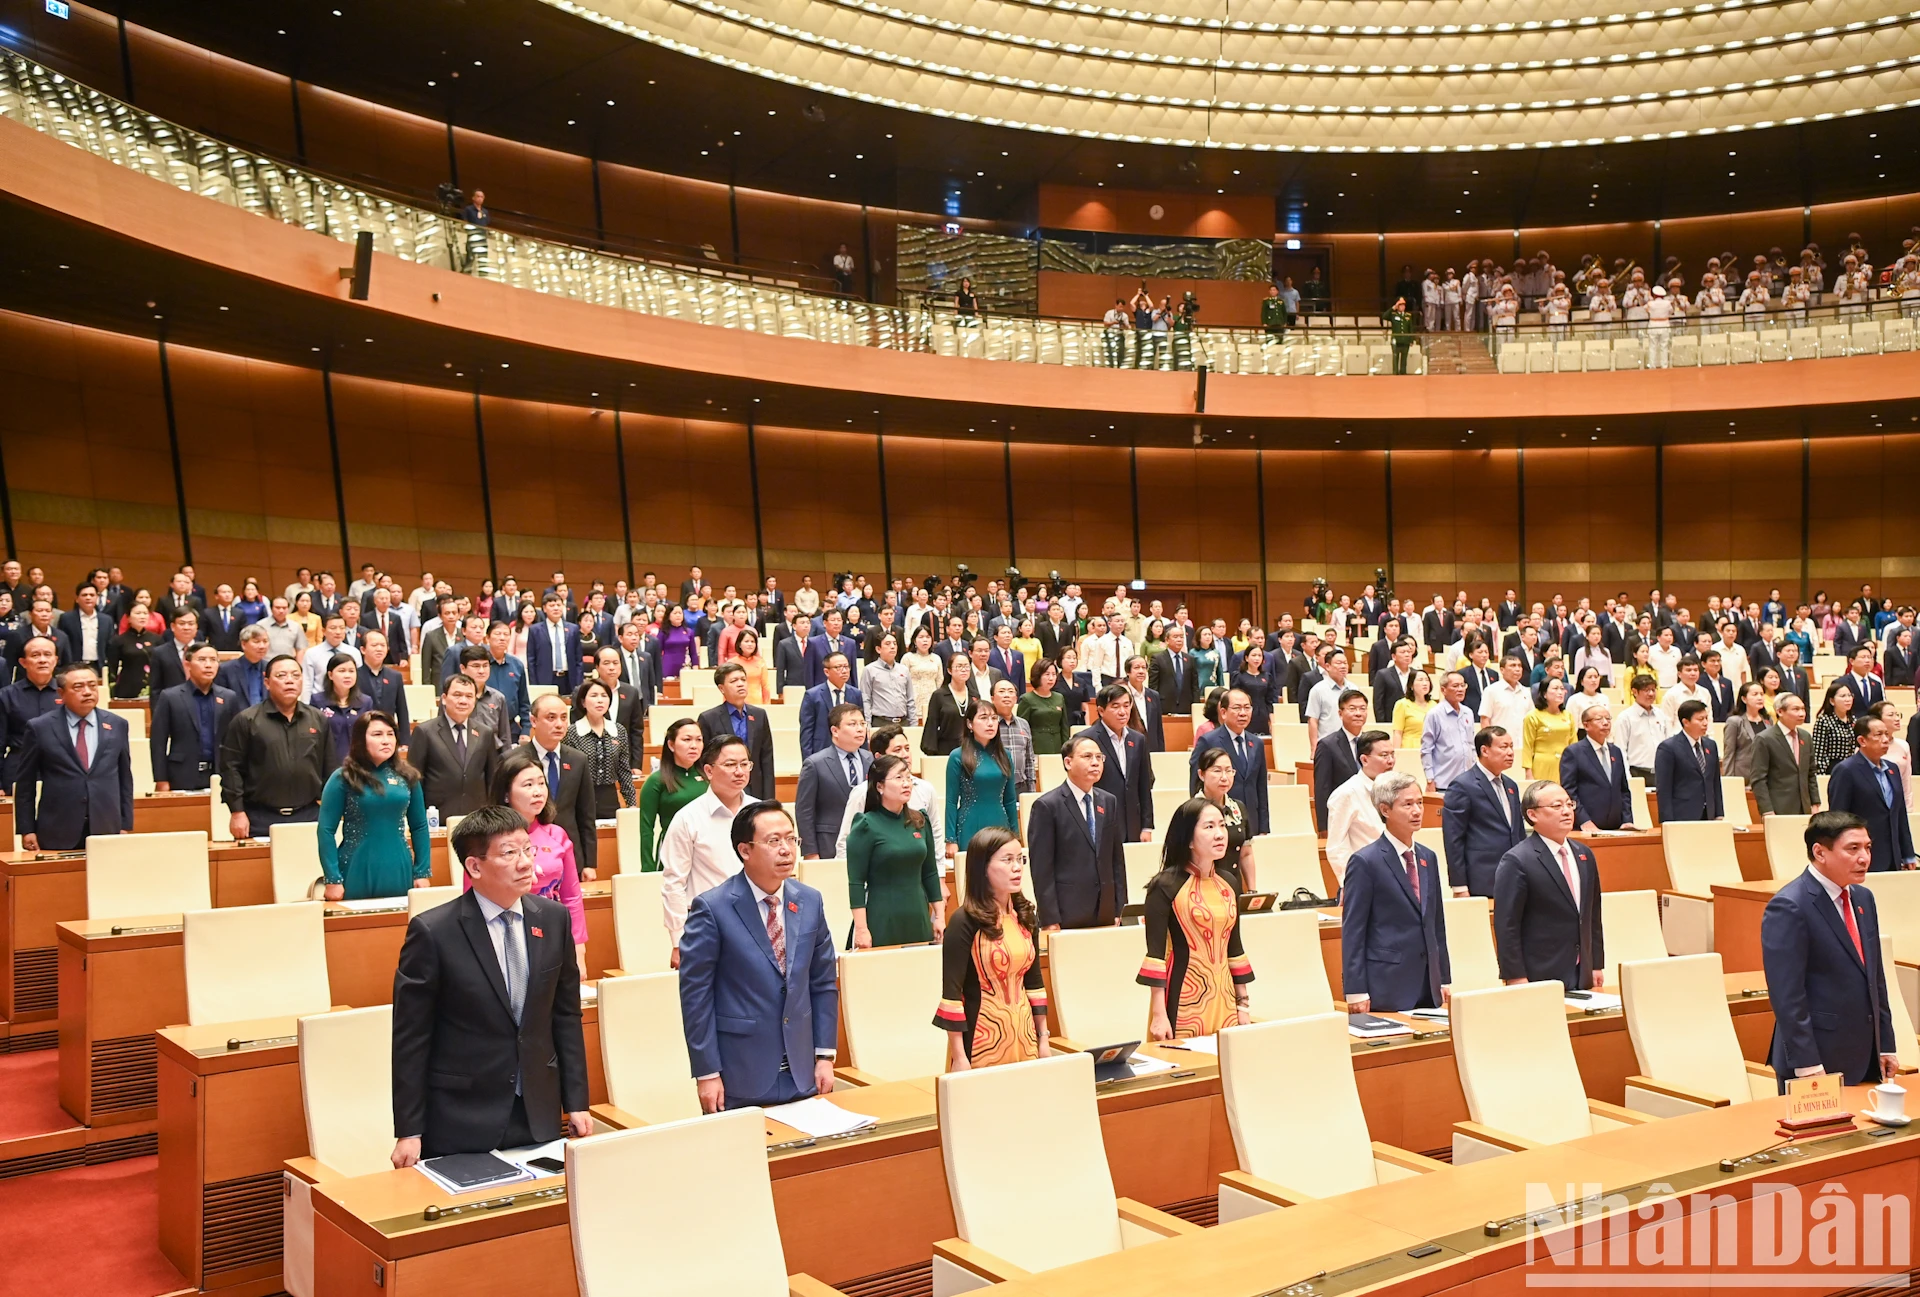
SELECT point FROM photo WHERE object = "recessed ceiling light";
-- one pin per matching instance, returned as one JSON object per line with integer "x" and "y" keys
{"x": 526, "y": 42}
{"x": 609, "y": 103}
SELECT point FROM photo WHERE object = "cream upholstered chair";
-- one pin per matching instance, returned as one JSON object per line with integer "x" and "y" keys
{"x": 221, "y": 817}
{"x": 786, "y": 751}
{"x": 1517, "y": 1071}
{"x": 1013, "y": 1226}
{"x": 1143, "y": 862}
{"x": 1167, "y": 800}
{"x": 293, "y": 853}
{"x": 1170, "y": 773}
{"x": 639, "y": 923}
{"x": 134, "y": 874}
{"x": 1290, "y": 809}
{"x": 628, "y": 1241}
{"x": 255, "y": 961}
{"x": 643, "y": 1046}
{"x": 140, "y": 756}
{"x": 1288, "y": 739}
{"x": 1291, "y": 1151}
{"x": 346, "y": 1086}
{"x": 884, "y": 996}
{"x": 829, "y": 878}
{"x": 423, "y": 702}
{"x": 1290, "y": 973}
{"x": 1642, "y": 808}
{"x": 1897, "y": 897}
{"x": 1284, "y": 862}
{"x": 1683, "y": 1038}
{"x": 1699, "y": 854}
{"x": 1631, "y": 921}
{"x": 1095, "y": 998}
{"x": 426, "y": 898}
{"x": 1786, "y": 845}
{"x": 1906, "y": 1043}
{"x": 626, "y": 838}
{"x": 1733, "y": 798}
{"x": 1049, "y": 770}
{"x": 1470, "y": 952}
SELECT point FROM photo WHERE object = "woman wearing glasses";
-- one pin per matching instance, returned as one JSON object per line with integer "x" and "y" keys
{"x": 993, "y": 1001}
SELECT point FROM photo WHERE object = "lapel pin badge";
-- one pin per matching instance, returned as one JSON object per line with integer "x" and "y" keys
{"x": 536, "y": 932}
{"x": 793, "y": 907}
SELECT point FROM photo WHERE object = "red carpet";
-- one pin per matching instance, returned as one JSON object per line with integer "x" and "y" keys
{"x": 92, "y": 1230}
{"x": 30, "y": 1095}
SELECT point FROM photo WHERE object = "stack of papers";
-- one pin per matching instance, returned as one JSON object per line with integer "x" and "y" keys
{"x": 472, "y": 1172}
{"x": 1367, "y": 1027}
{"x": 820, "y": 1117}
{"x": 1596, "y": 1002}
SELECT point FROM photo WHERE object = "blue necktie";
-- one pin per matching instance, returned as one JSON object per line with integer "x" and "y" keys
{"x": 553, "y": 774}
{"x": 1093, "y": 833}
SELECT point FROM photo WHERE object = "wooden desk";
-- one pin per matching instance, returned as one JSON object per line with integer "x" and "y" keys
{"x": 6, "y": 821}
{"x": 173, "y": 813}
{"x": 1736, "y": 922}
{"x": 37, "y": 891}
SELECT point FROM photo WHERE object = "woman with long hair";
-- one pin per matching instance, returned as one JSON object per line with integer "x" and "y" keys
{"x": 980, "y": 780}
{"x": 890, "y": 741}
{"x": 1215, "y": 768}
{"x": 1253, "y": 680}
{"x": 524, "y": 618}
{"x": 993, "y": 999}
{"x": 1833, "y": 740}
{"x": 363, "y": 851}
{"x": 341, "y": 701}
{"x": 1195, "y": 969}
{"x": 1546, "y": 731}
{"x": 608, "y": 746}
{"x": 1410, "y": 712}
{"x": 675, "y": 781}
{"x": 304, "y": 616}
{"x": 520, "y": 783}
{"x": 1077, "y": 695}
{"x": 1206, "y": 662}
{"x": 250, "y": 607}
{"x": 483, "y": 604}
{"x": 1026, "y": 643}
{"x": 1899, "y": 751}
{"x": 893, "y": 875}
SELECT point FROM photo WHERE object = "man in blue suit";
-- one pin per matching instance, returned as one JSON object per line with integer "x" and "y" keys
{"x": 1686, "y": 769}
{"x": 817, "y": 704}
{"x": 1869, "y": 786}
{"x": 1594, "y": 773}
{"x": 76, "y": 772}
{"x": 1249, "y": 758}
{"x": 553, "y": 648}
{"x": 828, "y": 641}
{"x": 1393, "y": 931}
{"x": 1820, "y": 945}
{"x": 1480, "y": 819}
{"x": 759, "y": 985}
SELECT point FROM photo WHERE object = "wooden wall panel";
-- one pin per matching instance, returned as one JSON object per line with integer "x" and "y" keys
{"x": 1073, "y": 511}
{"x": 820, "y": 505}
{"x": 1565, "y": 245}
{"x": 671, "y": 209}
{"x": 1080, "y": 207}
{"x": 555, "y": 491}
{"x": 541, "y": 183}
{"x": 1589, "y": 523}
{"x": 947, "y": 504}
{"x": 256, "y": 468}
{"x": 1455, "y": 521}
{"x": 353, "y": 136}
{"x": 206, "y": 91}
{"x": 1861, "y": 511}
{"x": 1199, "y": 516}
{"x": 1326, "y": 516}
{"x": 798, "y": 231}
{"x": 1732, "y": 519}
{"x": 85, "y": 46}
{"x": 692, "y": 499}
{"x": 1355, "y": 272}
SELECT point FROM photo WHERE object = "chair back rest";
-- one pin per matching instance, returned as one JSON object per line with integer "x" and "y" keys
{"x": 140, "y": 755}
{"x": 131, "y": 874}
{"x": 640, "y": 923}
{"x": 624, "y": 1230}
{"x": 346, "y": 1086}
{"x": 1733, "y": 799}
{"x": 884, "y": 996}
{"x": 643, "y": 1046}
{"x": 255, "y": 961}
{"x": 426, "y": 898}
{"x": 1470, "y": 943}
{"x": 293, "y": 854}
{"x": 1167, "y": 800}
{"x": 1046, "y": 1109}
{"x": 1095, "y": 998}
{"x": 1143, "y": 862}
{"x": 1699, "y": 854}
{"x": 1435, "y": 840}
{"x": 136, "y": 719}
{"x": 1631, "y": 921}
{"x": 1285, "y": 949}
{"x": 1906, "y": 1043}
{"x": 1896, "y": 897}
{"x": 1786, "y": 844}
{"x": 423, "y": 702}
{"x": 1169, "y": 772}
{"x": 1319, "y": 1147}
{"x": 829, "y": 878}
{"x": 626, "y": 838}
{"x": 1290, "y": 809}
{"x": 1516, "y": 1063}
{"x": 1642, "y": 809}
{"x": 1681, "y": 1029}
{"x": 1285, "y": 861}
{"x": 1049, "y": 769}
{"x": 222, "y": 818}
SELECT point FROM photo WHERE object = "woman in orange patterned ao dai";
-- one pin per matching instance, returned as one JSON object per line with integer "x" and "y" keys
{"x": 993, "y": 999}
{"x": 1195, "y": 968}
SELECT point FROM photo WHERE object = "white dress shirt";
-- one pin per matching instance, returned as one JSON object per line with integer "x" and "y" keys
{"x": 1352, "y": 822}
{"x": 1507, "y": 706}
{"x": 1665, "y": 663}
{"x": 1734, "y": 665}
{"x": 1641, "y": 730}
{"x": 696, "y": 854}
{"x": 1671, "y": 701}
{"x": 496, "y": 934}
{"x": 314, "y": 665}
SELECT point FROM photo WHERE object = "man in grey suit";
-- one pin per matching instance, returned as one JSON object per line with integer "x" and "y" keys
{"x": 1781, "y": 775}
{"x": 826, "y": 779}
{"x": 455, "y": 755}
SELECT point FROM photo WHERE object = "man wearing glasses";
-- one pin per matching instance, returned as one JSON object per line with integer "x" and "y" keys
{"x": 1546, "y": 899}
{"x": 697, "y": 851}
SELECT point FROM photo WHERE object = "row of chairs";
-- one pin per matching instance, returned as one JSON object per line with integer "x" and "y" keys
{"x": 1688, "y": 348}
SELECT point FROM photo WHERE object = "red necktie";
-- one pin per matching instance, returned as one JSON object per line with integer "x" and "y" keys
{"x": 80, "y": 745}
{"x": 776, "y": 933}
{"x": 1413, "y": 876}
{"x": 1853, "y": 929}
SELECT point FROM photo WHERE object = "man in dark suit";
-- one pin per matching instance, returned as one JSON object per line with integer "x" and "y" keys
{"x": 1594, "y": 773}
{"x": 1003, "y": 658}
{"x": 169, "y": 657}
{"x": 1850, "y": 634}
{"x": 759, "y": 980}
{"x": 1171, "y": 675}
{"x": 553, "y": 649}
{"x": 1437, "y": 622}
{"x": 1334, "y": 758}
{"x": 1546, "y": 900}
{"x": 1867, "y": 687}
{"x": 383, "y": 684}
{"x": 1249, "y": 753}
{"x": 1686, "y": 769}
{"x": 1382, "y": 651}
{"x": 1481, "y": 819}
{"x": 572, "y": 796}
{"x": 636, "y": 665}
{"x": 1392, "y": 680}
{"x": 381, "y": 617}
{"x": 189, "y": 723}
{"x": 1507, "y": 611}
{"x": 38, "y": 624}
{"x": 1074, "y": 841}
{"x": 1478, "y": 674}
{"x": 1870, "y": 787}
{"x": 1146, "y": 719}
{"x": 222, "y": 621}
{"x": 829, "y": 641}
{"x": 487, "y": 1045}
{"x": 455, "y": 757}
{"x": 1393, "y": 929}
{"x": 179, "y": 598}
{"x": 790, "y": 655}
{"x": 75, "y": 777}
{"x": 89, "y": 630}
{"x": 736, "y": 716}
{"x": 437, "y": 642}
{"x": 23, "y": 701}
{"x": 1793, "y": 676}
{"x": 828, "y": 777}
{"x": 246, "y": 675}
{"x": 1781, "y": 775}
{"x": 1128, "y": 773}
{"x": 1719, "y": 689}
{"x": 1820, "y": 945}
{"x": 691, "y": 586}
{"x": 819, "y": 703}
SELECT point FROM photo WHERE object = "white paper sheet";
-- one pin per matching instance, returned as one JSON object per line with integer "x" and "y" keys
{"x": 1595, "y": 1000}
{"x": 372, "y": 904}
{"x": 1198, "y": 1044}
{"x": 1142, "y": 1065}
{"x": 520, "y": 1174}
{"x": 557, "y": 1150}
{"x": 1377, "y": 1033}
{"x": 820, "y": 1117}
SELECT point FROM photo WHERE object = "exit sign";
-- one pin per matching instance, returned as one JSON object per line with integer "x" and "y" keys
{"x": 59, "y": 8}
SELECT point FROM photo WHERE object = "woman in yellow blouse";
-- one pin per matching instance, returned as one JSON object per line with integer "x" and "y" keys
{"x": 303, "y": 616}
{"x": 1547, "y": 730}
{"x": 1410, "y": 713}
{"x": 1027, "y": 645}
{"x": 746, "y": 651}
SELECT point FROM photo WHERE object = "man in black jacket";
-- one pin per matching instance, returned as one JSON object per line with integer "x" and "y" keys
{"x": 735, "y": 715}
{"x": 189, "y": 723}
{"x": 572, "y": 795}
{"x": 1546, "y": 899}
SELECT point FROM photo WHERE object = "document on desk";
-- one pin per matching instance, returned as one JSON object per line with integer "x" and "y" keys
{"x": 1143, "y": 1065}
{"x": 1595, "y": 1002}
{"x": 1198, "y": 1044}
{"x": 470, "y": 1172}
{"x": 820, "y": 1117}
{"x": 372, "y": 905}
{"x": 1366, "y": 1026}
{"x": 520, "y": 1157}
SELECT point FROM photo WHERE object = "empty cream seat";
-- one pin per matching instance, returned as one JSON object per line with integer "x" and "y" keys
{"x": 136, "y": 719}
{"x": 1292, "y": 1151}
{"x": 1143, "y": 862}
{"x": 135, "y": 874}
{"x": 829, "y": 878}
{"x": 293, "y": 854}
{"x": 427, "y": 898}
{"x": 1013, "y": 1226}
{"x": 626, "y": 838}
{"x": 423, "y": 703}
{"x": 1699, "y": 854}
{"x": 1169, "y": 772}
{"x": 630, "y": 1239}
{"x": 255, "y": 961}
{"x": 1290, "y": 971}
{"x": 1095, "y": 998}
{"x": 1683, "y": 1039}
{"x": 346, "y": 1087}
{"x": 1470, "y": 952}
{"x": 1733, "y": 800}
{"x": 1786, "y": 844}
{"x": 643, "y": 1046}
{"x": 140, "y": 755}
{"x": 1290, "y": 747}
{"x": 1284, "y": 862}
{"x": 1901, "y": 1009}
{"x": 1637, "y": 794}
{"x": 1290, "y": 809}
{"x": 1631, "y": 921}
{"x": 221, "y": 817}
{"x": 536, "y": 692}
{"x": 640, "y": 923}
{"x": 1897, "y": 897}
{"x": 884, "y": 999}
{"x": 1517, "y": 1070}
{"x": 1049, "y": 770}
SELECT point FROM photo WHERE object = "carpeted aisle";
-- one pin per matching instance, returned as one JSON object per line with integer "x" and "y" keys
{"x": 117, "y": 1254}
{"x": 30, "y": 1095}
